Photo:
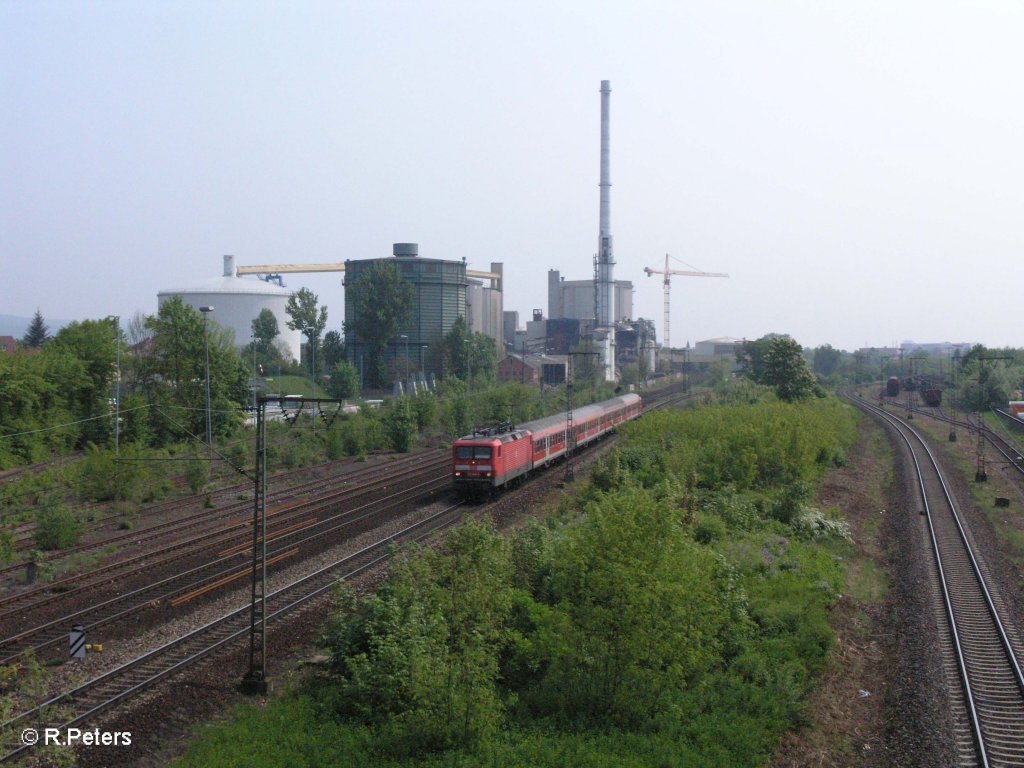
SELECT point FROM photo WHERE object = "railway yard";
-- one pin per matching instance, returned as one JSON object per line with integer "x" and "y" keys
{"x": 936, "y": 668}
{"x": 174, "y": 597}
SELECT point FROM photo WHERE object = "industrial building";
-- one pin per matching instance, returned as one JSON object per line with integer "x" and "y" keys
{"x": 236, "y": 302}
{"x": 549, "y": 370}
{"x": 576, "y": 299}
{"x": 485, "y": 306}
{"x": 510, "y": 325}
{"x": 442, "y": 292}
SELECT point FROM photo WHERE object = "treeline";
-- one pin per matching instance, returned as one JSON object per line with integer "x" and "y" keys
{"x": 673, "y": 614}
{"x": 61, "y": 398}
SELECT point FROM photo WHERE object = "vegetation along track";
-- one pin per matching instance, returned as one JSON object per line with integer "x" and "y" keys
{"x": 183, "y": 572}
{"x": 90, "y": 699}
{"x": 178, "y": 508}
{"x": 85, "y": 702}
{"x": 981, "y": 648}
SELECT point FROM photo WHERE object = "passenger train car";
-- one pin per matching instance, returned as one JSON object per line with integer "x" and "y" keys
{"x": 492, "y": 458}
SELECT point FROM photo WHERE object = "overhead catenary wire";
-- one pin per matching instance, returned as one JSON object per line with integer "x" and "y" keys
{"x": 70, "y": 423}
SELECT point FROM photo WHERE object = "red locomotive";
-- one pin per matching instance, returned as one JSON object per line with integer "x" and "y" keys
{"x": 491, "y": 458}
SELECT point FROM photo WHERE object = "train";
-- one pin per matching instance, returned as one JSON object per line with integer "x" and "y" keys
{"x": 932, "y": 397}
{"x": 1017, "y": 408}
{"x": 490, "y": 459}
{"x": 892, "y": 387}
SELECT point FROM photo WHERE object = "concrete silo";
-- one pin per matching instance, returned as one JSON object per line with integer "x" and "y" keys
{"x": 237, "y": 301}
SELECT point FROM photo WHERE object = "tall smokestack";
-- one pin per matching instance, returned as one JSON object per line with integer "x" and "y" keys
{"x": 605, "y": 260}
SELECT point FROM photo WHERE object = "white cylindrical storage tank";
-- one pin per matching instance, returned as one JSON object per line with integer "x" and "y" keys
{"x": 236, "y": 302}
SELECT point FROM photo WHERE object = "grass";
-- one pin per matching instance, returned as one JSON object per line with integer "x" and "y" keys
{"x": 292, "y": 385}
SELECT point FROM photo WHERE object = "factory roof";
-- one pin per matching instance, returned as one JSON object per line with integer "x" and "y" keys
{"x": 232, "y": 285}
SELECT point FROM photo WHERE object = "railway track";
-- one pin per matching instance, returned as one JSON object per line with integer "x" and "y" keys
{"x": 981, "y": 648}
{"x": 90, "y": 699}
{"x": 1011, "y": 453}
{"x": 209, "y": 562}
{"x": 209, "y": 518}
{"x": 85, "y": 702}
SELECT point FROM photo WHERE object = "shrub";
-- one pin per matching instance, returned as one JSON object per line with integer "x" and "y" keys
{"x": 57, "y": 528}
{"x": 197, "y": 471}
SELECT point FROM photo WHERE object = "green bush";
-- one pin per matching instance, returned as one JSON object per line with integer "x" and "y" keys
{"x": 400, "y": 426}
{"x": 57, "y": 528}
{"x": 197, "y": 471}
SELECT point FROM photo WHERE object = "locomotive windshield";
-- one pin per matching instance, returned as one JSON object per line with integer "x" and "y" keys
{"x": 472, "y": 452}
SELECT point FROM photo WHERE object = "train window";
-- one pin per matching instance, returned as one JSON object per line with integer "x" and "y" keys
{"x": 464, "y": 452}
{"x": 482, "y": 452}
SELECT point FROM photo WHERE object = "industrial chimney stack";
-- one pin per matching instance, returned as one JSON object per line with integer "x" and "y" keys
{"x": 605, "y": 260}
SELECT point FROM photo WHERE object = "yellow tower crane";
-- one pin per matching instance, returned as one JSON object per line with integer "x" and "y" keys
{"x": 667, "y": 282}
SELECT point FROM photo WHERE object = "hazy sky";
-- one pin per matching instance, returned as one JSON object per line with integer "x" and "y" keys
{"x": 855, "y": 166}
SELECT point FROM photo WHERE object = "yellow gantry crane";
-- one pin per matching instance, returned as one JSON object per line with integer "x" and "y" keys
{"x": 666, "y": 282}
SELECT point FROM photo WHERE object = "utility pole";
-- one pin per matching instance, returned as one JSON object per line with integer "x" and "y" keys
{"x": 914, "y": 384}
{"x": 117, "y": 385}
{"x": 206, "y": 336}
{"x": 404, "y": 336}
{"x": 312, "y": 356}
{"x": 980, "y": 474}
{"x": 882, "y": 360}
{"x": 255, "y": 680}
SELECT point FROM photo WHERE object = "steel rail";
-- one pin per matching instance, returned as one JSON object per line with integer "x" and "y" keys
{"x": 176, "y": 550}
{"x": 980, "y": 736}
{"x": 53, "y": 632}
{"x": 313, "y": 580}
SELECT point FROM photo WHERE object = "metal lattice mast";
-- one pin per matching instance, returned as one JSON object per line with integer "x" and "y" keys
{"x": 256, "y": 679}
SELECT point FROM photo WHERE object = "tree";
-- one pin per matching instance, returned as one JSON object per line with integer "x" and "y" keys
{"x": 38, "y": 332}
{"x": 82, "y": 362}
{"x": 308, "y": 320}
{"x": 333, "y": 350}
{"x": 400, "y": 426}
{"x": 826, "y": 360}
{"x": 265, "y": 330}
{"x": 344, "y": 381}
{"x": 483, "y": 360}
{"x": 382, "y": 305}
{"x": 174, "y": 373}
{"x": 786, "y": 370}
{"x": 468, "y": 356}
{"x": 750, "y": 357}
{"x": 455, "y": 357}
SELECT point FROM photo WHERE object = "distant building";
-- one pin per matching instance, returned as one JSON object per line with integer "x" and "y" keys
{"x": 574, "y": 299}
{"x": 712, "y": 349}
{"x": 940, "y": 349}
{"x": 439, "y": 299}
{"x": 236, "y": 302}
{"x": 485, "y": 308}
{"x": 890, "y": 353}
{"x": 8, "y": 345}
{"x": 533, "y": 369}
{"x": 510, "y": 323}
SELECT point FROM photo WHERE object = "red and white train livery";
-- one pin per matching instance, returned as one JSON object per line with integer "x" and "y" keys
{"x": 489, "y": 459}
